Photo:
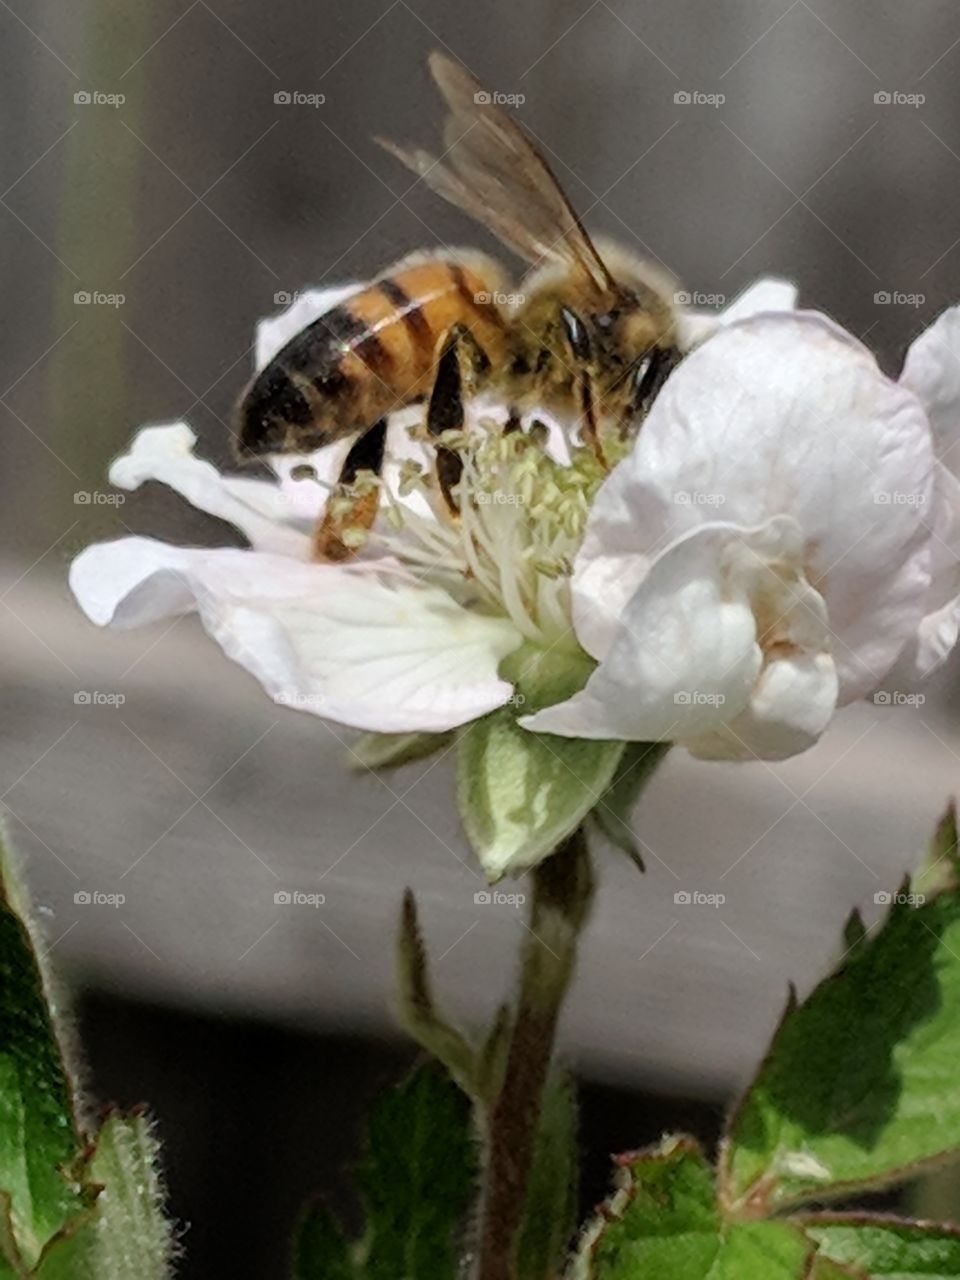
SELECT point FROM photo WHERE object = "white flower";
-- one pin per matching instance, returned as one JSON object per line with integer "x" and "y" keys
{"x": 409, "y": 635}
{"x": 763, "y": 555}
{"x": 779, "y": 536}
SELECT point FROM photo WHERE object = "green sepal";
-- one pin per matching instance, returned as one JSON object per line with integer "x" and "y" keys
{"x": 520, "y": 793}
{"x": 391, "y": 750}
{"x": 613, "y": 814}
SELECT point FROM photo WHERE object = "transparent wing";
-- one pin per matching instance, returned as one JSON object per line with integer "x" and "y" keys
{"x": 492, "y": 171}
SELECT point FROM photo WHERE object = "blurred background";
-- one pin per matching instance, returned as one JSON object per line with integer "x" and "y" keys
{"x": 161, "y": 187}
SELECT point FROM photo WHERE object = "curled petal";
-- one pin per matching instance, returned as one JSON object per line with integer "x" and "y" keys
{"x": 255, "y": 507}
{"x": 791, "y": 705}
{"x": 724, "y": 647}
{"x": 779, "y": 415}
{"x": 684, "y": 658}
{"x": 370, "y": 648}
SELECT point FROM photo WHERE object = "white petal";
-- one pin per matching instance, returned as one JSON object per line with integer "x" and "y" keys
{"x": 932, "y": 372}
{"x": 940, "y": 627}
{"x": 353, "y": 644}
{"x": 791, "y": 705}
{"x": 767, "y": 294}
{"x": 684, "y": 658}
{"x": 274, "y": 332}
{"x": 255, "y": 507}
{"x": 782, "y": 414}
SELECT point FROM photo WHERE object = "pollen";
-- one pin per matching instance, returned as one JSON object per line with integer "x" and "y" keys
{"x": 513, "y": 540}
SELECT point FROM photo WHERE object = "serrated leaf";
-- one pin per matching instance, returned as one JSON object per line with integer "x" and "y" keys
{"x": 860, "y": 1084}
{"x": 320, "y": 1250}
{"x": 391, "y": 750}
{"x": 885, "y": 1248}
{"x": 614, "y": 812}
{"x": 551, "y": 1205}
{"x": 417, "y": 1179}
{"x": 664, "y": 1222}
{"x": 520, "y": 794}
{"x": 39, "y": 1143}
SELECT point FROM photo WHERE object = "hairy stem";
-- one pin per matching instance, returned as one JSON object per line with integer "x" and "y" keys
{"x": 562, "y": 892}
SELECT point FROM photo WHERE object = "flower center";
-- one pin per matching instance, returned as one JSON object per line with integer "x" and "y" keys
{"x": 510, "y": 547}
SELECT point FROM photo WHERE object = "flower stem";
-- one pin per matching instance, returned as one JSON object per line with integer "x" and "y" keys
{"x": 562, "y": 893}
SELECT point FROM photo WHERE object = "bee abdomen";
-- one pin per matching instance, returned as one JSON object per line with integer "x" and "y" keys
{"x": 367, "y": 357}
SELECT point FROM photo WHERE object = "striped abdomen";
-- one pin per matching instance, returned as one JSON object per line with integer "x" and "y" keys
{"x": 371, "y": 355}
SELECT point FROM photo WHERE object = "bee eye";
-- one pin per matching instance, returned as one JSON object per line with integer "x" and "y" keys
{"x": 650, "y": 373}
{"x": 576, "y": 333}
{"x": 605, "y": 321}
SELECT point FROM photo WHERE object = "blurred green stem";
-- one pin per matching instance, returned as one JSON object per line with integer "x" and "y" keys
{"x": 562, "y": 895}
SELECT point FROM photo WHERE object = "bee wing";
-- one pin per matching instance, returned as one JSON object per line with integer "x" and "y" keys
{"x": 492, "y": 171}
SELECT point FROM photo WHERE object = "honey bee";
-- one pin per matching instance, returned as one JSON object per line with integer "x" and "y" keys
{"x": 587, "y": 338}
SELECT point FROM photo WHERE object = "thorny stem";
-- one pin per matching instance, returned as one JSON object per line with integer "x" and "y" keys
{"x": 562, "y": 893}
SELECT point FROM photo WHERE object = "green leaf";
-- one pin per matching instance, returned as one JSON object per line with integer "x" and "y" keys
{"x": 391, "y": 750}
{"x": 827, "y": 1269}
{"x": 860, "y": 1084}
{"x": 664, "y": 1223}
{"x": 520, "y": 794}
{"x": 614, "y": 812}
{"x": 885, "y": 1248}
{"x": 320, "y": 1250}
{"x": 39, "y": 1142}
{"x": 550, "y": 1212}
{"x": 417, "y": 1179}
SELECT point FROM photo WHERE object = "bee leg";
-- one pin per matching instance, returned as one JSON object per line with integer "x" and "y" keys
{"x": 366, "y": 455}
{"x": 462, "y": 362}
